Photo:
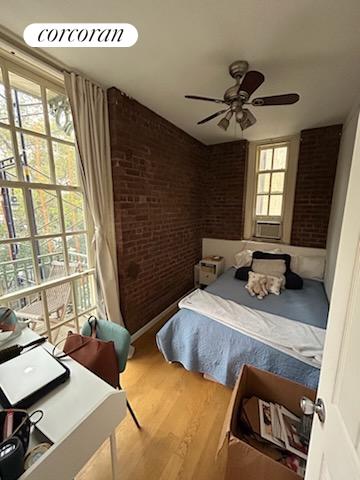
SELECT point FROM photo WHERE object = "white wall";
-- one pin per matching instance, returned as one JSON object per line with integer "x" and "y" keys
{"x": 339, "y": 195}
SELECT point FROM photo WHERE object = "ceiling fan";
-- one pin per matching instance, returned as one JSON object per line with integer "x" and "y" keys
{"x": 235, "y": 97}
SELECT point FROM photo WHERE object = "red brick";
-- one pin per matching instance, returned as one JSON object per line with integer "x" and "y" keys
{"x": 157, "y": 175}
{"x": 319, "y": 148}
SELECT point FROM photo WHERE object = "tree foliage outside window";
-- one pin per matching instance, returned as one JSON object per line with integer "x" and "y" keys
{"x": 42, "y": 213}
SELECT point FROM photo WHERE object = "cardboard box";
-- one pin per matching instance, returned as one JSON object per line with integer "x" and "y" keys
{"x": 251, "y": 460}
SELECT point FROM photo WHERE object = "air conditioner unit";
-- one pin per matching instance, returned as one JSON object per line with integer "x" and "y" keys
{"x": 267, "y": 229}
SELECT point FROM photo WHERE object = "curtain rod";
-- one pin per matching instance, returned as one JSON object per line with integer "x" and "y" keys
{"x": 14, "y": 45}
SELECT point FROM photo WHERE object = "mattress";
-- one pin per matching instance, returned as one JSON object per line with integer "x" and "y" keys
{"x": 203, "y": 345}
{"x": 308, "y": 305}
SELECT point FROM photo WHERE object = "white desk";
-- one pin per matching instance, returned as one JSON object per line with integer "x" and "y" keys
{"x": 78, "y": 417}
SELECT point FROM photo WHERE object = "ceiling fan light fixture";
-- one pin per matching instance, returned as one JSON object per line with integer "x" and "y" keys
{"x": 239, "y": 115}
{"x": 225, "y": 121}
{"x": 247, "y": 119}
{"x": 246, "y": 83}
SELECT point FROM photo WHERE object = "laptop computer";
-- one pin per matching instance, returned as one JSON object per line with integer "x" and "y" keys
{"x": 28, "y": 377}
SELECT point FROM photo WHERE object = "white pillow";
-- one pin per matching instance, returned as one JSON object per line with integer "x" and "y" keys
{"x": 275, "y": 268}
{"x": 243, "y": 259}
{"x": 312, "y": 267}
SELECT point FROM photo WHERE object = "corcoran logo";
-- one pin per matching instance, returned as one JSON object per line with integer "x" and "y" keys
{"x": 80, "y": 35}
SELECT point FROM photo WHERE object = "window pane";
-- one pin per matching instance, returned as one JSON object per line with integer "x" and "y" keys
{"x": 7, "y": 159}
{"x": 84, "y": 288}
{"x": 265, "y": 159}
{"x": 65, "y": 164}
{"x": 51, "y": 258}
{"x": 12, "y": 214}
{"x": 46, "y": 212}
{"x": 275, "y": 205}
{"x": 34, "y": 156}
{"x": 73, "y": 207}
{"x": 16, "y": 267}
{"x": 262, "y": 204}
{"x": 3, "y": 106}
{"x": 280, "y": 158}
{"x": 27, "y": 103}
{"x": 77, "y": 252}
{"x": 277, "y": 182}
{"x": 263, "y": 183}
{"x": 60, "y": 118}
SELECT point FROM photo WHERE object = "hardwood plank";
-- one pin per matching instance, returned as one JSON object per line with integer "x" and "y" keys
{"x": 181, "y": 415}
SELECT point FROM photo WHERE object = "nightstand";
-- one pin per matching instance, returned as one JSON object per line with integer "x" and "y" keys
{"x": 210, "y": 268}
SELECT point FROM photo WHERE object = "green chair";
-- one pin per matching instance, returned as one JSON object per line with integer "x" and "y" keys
{"x": 110, "y": 331}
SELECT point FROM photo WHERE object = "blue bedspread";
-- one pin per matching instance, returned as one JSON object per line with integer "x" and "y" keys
{"x": 203, "y": 345}
{"x": 308, "y": 305}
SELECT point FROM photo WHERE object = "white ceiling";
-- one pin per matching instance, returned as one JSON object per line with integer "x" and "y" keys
{"x": 185, "y": 46}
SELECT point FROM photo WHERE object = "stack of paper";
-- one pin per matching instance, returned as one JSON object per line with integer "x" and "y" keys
{"x": 280, "y": 427}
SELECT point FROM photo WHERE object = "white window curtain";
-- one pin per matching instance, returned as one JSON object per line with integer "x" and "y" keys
{"x": 90, "y": 116}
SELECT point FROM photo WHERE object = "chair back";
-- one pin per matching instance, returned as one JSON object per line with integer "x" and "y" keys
{"x": 58, "y": 269}
{"x": 59, "y": 295}
{"x": 110, "y": 331}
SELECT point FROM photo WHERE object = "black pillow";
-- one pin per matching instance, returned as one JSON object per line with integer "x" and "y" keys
{"x": 293, "y": 281}
{"x": 242, "y": 273}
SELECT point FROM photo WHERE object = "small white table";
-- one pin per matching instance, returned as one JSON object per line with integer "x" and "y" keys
{"x": 78, "y": 417}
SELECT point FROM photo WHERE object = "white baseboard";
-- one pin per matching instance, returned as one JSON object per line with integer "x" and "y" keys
{"x": 156, "y": 319}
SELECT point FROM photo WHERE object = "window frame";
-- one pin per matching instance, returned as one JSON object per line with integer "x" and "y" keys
{"x": 259, "y": 148}
{"x": 252, "y": 172}
{"x": 7, "y": 66}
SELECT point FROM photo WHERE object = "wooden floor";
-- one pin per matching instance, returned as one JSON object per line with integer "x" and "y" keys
{"x": 182, "y": 415}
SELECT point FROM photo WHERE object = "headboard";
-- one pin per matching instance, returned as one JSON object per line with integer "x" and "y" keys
{"x": 229, "y": 248}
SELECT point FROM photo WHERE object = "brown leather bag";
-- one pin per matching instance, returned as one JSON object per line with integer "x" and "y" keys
{"x": 96, "y": 355}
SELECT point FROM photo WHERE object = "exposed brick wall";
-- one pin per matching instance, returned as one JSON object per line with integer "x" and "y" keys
{"x": 319, "y": 148}
{"x": 224, "y": 189}
{"x": 157, "y": 175}
{"x": 170, "y": 191}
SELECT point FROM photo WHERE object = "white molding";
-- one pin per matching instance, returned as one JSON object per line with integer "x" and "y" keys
{"x": 156, "y": 319}
{"x": 14, "y": 48}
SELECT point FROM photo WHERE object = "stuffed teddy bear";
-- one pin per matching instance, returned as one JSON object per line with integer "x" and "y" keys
{"x": 260, "y": 285}
{"x": 275, "y": 284}
{"x": 256, "y": 285}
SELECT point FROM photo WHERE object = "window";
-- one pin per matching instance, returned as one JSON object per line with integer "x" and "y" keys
{"x": 270, "y": 189}
{"x": 45, "y": 268}
{"x": 271, "y": 172}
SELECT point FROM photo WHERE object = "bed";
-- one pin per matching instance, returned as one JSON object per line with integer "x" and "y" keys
{"x": 204, "y": 345}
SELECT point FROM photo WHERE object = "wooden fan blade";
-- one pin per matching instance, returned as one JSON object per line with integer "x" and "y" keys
{"x": 212, "y": 116}
{"x": 207, "y": 99}
{"x": 286, "y": 99}
{"x": 251, "y": 82}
